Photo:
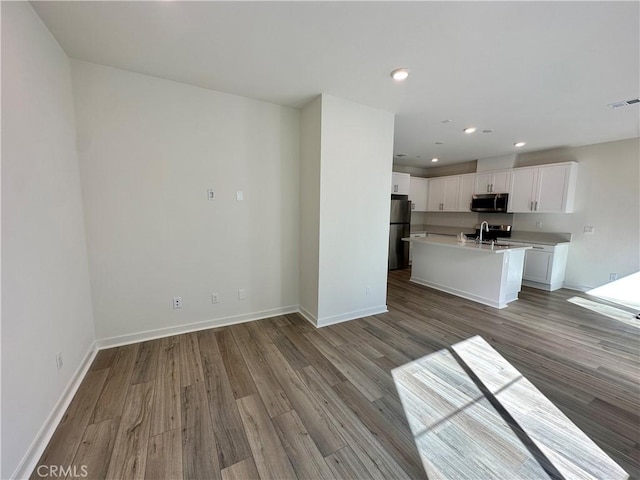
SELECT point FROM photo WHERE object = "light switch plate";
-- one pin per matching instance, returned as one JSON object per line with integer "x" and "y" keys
{"x": 239, "y": 195}
{"x": 589, "y": 230}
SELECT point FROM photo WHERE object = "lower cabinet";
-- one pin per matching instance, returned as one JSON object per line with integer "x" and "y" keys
{"x": 545, "y": 265}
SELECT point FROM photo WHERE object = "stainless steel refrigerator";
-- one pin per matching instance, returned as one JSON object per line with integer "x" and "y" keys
{"x": 399, "y": 228}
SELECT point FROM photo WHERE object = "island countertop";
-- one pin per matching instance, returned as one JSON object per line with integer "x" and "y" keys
{"x": 453, "y": 242}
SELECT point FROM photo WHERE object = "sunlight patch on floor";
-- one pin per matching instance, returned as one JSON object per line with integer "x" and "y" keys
{"x": 625, "y": 291}
{"x": 607, "y": 310}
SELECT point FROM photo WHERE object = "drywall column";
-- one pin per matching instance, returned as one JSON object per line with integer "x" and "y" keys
{"x": 46, "y": 299}
{"x": 345, "y": 201}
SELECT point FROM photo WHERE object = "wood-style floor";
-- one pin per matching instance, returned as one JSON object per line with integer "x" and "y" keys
{"x": 277, "y": 398}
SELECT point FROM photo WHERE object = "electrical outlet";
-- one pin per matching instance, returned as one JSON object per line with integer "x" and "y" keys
{"x": 242, "y": 294}
{"x": 613, "y": 276}
{"x": 589, "y": 230}
{"x": 215, "y": 298}
{"x": 239, "y": 195}
{"x": 59, "y": 361}
{"x": 538, "y": 224}
{"x": 177, "y": 303}
{"x": 211, "y": 194}
{"x": 368, "y": 290}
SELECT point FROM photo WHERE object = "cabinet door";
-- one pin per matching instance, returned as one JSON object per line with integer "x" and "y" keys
{"x": 400, "y": 183}
{"x": 552, "y": 188}
{"x": 435, "y": 194}
{"x": 500, "y": 182}
{"x": 483, "y": 183}
{"x": 537, "y": 266}
{"x": 465, "y": 192}
{"x": 418, "y": 194}
{"x": 523, "y": 190}
{"x": 450, "y": 187}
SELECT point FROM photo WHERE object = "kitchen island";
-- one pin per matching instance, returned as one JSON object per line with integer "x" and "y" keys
{"x": 488, "y": 274}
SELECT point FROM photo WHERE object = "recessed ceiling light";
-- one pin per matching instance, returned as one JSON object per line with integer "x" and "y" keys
{"x": 401, "y": 154}
{"x": 519, "y": 144}
{"x": 439, "y": 143}
{"x": 400, "y": 74}
{"x": 624, "y": 103}
{"x": 469, "y": 130}
{"x": 446, "y": 121}
{"x": 487, "y": 131}
{"x": 434, "y": 160}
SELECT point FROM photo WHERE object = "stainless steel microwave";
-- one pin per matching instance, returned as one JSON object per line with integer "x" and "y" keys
{"x": 490, "y": 202}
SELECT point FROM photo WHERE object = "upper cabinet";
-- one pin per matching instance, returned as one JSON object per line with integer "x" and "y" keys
{"x": 443, "y": 194}
{"x": 543, "y": 189}
{"x": 418, "y": 194}
{"x": 465, "y": 191}
{"x": 493, "y": 182}
{"x": 400, "y": 183}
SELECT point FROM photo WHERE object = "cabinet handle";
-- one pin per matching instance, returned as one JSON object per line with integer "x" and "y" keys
{"x": 488, "y": 188}
{"x": 535, "y": 209}
{"x": 531, "y": 206}
{"x": 491, "y": 188}
{"x": 537, "y": 248}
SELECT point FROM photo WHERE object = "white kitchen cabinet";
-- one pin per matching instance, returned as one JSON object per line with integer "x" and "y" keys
{"x": 544, "y": 265}
{"x": 442, "y": 194}
{"x": 492, "y": 182}
{"x": 465, "y": 192}
{"x": 418, "y": 194}
{"x": 400, "y": 183}
{"x": 544, "y": 189}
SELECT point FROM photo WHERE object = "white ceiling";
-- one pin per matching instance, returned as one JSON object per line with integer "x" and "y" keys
{"x": 540, "y": 72}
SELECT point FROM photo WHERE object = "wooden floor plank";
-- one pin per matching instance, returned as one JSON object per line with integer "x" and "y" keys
{"x": 379, "y": 463}
{"x": 345, "y": 464}
{"x": 274, "y": 398}
{"x": 164, "y": 456}
{"x": 239, "y": 376}
{"x": 269, "y": 455}
{"x": 97, "y": 445}
{"x": 244, "y": 470}
{"x": 144, "y": 368}
{"x": 167, "y": 400}
{"x": 199, "y": 452}
{"x": 306, "y": 459}
{"x": 129, "y": 456}
{"x": 111, "y": 402}
{"x": 231, "y": 440}
{"x": 317, "y": 422}
{"x": 65, "y": 441}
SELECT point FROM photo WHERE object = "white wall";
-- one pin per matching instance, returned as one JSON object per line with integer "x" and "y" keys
{"x": 310, "y": 149}
{"x": 149, "y": 149}
{"x": 46, "y": 302}
{"x": 354, "y": 209}
{"x": 607, "y": 198}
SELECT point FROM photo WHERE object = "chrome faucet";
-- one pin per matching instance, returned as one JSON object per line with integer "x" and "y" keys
{"x": 482, "y": 227}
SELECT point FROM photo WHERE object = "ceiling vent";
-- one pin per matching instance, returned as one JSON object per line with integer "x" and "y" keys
{"x": 624, "y": 103}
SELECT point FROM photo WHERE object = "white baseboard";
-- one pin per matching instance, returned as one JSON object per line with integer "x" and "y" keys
{"x": 459, "y": 293}
{"x": 345, "y": 317}
{"x": 308, "y": 316}
{"x": 192, "y": 327}
{"x": 40, "y": 442}
{"x": 579, "y": 288}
